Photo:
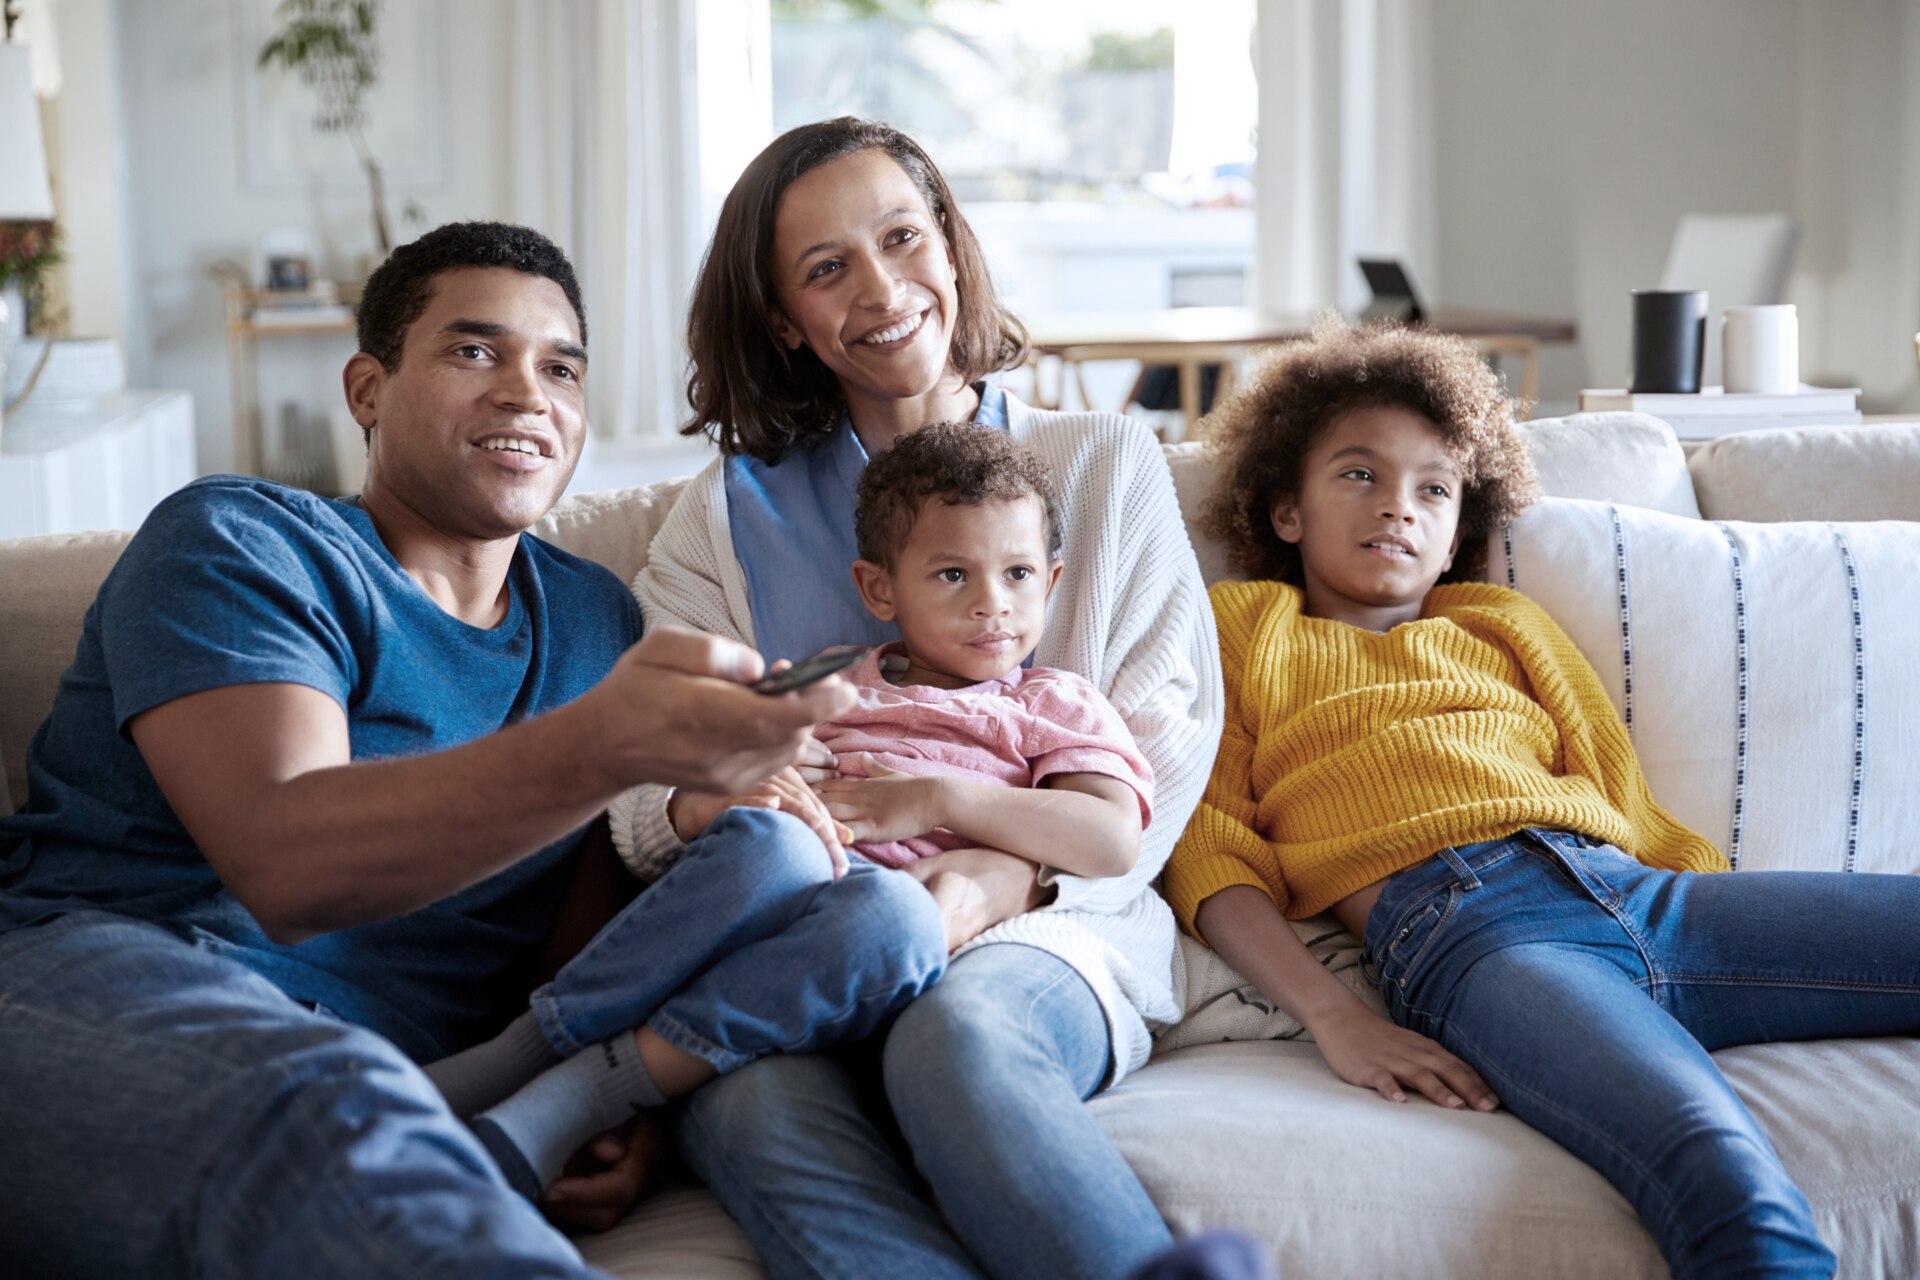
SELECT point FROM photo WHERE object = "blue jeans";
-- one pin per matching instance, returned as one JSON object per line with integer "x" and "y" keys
{"x": 168, "y": 1112}
{"x": 986, "y": 1076}
{"x": 748, "y": 946}
{"x": 1588, "y": 989}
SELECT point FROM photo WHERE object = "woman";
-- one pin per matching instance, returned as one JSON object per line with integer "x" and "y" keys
{"x": 845, "y": 302}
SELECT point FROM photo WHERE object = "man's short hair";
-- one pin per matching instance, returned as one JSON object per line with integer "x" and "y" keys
{"x": 958, "y": 463}
{"x": 398, "y": 291}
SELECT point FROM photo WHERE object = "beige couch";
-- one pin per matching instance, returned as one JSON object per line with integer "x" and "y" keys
{"x": 1260, "y": 1134}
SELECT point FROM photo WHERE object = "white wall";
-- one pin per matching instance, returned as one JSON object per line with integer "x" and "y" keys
{"x": 189, "y": 207}
{"x": 1572, "y": 136}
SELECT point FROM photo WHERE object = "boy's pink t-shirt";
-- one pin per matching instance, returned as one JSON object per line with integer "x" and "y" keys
{"x": 1016, "y": 731}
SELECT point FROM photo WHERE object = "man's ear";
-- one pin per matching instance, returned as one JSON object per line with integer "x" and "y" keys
{"x": 787, "y": 331}
{"x": 362, "y": 379}
{"x": 1285, "y": 515}
{"x": 875, "y": 586}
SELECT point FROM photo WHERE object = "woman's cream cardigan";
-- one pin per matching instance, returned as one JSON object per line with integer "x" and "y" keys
{"x": 1130, "y": 614}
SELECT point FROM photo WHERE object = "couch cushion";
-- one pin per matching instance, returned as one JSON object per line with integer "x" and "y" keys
{"x": 1766, "y": 672}
{"x": 1340, "y": 1182}
{"x": 1613, "y": 457}
{"x": 46, "y": 585}
{"x": 1868, "y": 472}
{"x": 613, "y": 527}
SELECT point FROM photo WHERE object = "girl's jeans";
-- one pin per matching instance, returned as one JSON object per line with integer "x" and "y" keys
{"x": 1588, "y": 990}
{"x": 748, "y": 946}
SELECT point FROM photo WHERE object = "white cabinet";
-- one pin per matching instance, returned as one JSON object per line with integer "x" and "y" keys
{"x": 66, "y": 467}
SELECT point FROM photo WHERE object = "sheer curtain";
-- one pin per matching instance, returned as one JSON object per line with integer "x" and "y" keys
{"x": 1345, "y": 164}
{"x": 606, "y": 160}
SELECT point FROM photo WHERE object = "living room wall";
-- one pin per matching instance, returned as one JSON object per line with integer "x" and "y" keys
{"x": 1571, "y": 137}
{"x": 190, "y": 207}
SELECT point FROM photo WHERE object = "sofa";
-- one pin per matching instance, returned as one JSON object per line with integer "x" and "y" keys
{"x": 1755, "y": 610}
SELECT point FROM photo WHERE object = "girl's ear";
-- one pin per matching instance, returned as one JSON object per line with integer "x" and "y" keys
{"x": 1285, "y": 516}
{"x": 875, "y": 586}
{"x": 1453, "y": 550}
{"x": 1053, "y": 577}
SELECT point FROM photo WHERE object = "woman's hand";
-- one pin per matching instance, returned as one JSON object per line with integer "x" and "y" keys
{"x": 886, "y": 804}
{"x": 692, "y": 812}
{"x": 977, "y": 889}
{"x": 608, "y": 1176}
{"x": 1365, "y": 1049}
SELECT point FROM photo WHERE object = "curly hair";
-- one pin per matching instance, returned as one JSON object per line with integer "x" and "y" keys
{"x": 958, "y": 463}
{"x": 748, "y": 392}
{"x": 398, "y": 291}
{"x": 1261, "y": 435}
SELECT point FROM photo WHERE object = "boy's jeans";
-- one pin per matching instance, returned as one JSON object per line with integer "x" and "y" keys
{"x": 747, "y": 946}
{"x": 1588, "y": 989}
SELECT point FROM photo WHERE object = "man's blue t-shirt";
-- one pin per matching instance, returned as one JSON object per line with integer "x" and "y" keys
{"x": 239, "y": 581}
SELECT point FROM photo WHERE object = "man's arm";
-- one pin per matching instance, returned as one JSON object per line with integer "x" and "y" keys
{"x": 309, "y": 842}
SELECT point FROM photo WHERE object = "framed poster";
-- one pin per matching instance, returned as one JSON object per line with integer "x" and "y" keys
{"x": 407, "y": 107}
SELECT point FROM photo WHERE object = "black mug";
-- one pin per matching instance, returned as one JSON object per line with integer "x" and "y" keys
{"x": 1669, "y": 339}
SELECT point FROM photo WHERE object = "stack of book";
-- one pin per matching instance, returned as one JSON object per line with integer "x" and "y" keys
{"x": 299, "y": 308}
{"x": 1714, "y": 412}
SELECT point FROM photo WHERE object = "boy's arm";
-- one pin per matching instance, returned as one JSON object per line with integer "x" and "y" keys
{"x": 1364, "y": 1049}
{"x": 1086, "y": 824}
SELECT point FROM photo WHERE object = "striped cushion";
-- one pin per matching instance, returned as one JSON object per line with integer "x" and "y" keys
{"x": 1769, "y": 673}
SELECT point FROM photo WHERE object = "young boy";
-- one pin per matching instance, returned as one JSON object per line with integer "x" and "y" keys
{"x": 1431, "y": 759}
{"x": 959, "y": 542}
{"x": 747, "y": 945}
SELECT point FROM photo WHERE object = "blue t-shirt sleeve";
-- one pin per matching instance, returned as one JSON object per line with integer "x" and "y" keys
{"x": 226, "y": 585}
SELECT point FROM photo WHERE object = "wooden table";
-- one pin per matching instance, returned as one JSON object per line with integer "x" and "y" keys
{"x": 253, "y": 312}
{"x": 1191, "y": 337}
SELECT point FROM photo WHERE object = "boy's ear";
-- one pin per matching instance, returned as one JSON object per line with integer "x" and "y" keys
{"x": 1285, "y": 515}
{"x": 1053, "y": 577}
{"x": 875, "y": 586}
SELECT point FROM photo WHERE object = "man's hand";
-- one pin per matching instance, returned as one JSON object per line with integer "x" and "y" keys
{"x": 608, "y": 1176}
{"x": 692, "y": 812}
{"x": 676, "y": 710}
{"x": 1365, "y": 1049}
{"x": 977, "y": 889}
{"x": 886, "y": 804}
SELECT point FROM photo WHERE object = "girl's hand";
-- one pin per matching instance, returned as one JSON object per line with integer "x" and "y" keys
{"x": 816, "y": 763}
{"x": 886, "y": 804}
{"x": 692, "y": 812}
{"x": 1365, "y": 1049}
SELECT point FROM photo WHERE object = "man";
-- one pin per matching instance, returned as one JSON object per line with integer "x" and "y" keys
{"x": 309, "y": 799}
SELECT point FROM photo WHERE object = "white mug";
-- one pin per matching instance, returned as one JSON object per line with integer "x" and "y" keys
{"x": 1760, "y": 349}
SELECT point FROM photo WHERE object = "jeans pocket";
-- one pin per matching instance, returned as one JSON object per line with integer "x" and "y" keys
{"x": 1414, "y": 935}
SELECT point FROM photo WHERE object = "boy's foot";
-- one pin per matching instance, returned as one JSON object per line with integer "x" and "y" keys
{"x": 532, "y": 1133}
{"x": 474, "y": 1079}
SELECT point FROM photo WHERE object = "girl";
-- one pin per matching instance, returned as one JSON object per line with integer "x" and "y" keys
{"x": 1433, "y": 760}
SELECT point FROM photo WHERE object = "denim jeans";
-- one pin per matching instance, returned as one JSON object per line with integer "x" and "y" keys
{"x": 986, "y": 1076}
{"x": 168, "y": 1112}
{"x": 1588, "y": 989}
{"x": 748, "y": 946}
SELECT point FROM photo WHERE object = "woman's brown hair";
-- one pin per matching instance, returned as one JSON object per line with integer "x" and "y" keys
{"x": 1260, "y": 436}
{"x": 748, "y": 391}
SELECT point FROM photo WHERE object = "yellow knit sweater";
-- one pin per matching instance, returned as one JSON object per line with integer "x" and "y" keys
{"x": 1349, "y": 755}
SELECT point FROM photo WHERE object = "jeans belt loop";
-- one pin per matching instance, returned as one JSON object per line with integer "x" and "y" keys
{"x": 1450, "y": 856}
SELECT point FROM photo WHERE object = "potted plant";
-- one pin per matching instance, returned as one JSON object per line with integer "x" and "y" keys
{"x": 28, "y": 251}
{"x": 333, "y": 45}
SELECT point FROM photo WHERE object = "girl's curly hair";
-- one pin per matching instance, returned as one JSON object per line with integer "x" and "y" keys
{"x": 1260, "y": 436}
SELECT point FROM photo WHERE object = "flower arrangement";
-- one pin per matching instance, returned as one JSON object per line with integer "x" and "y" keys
{"x": 28, "y": 251}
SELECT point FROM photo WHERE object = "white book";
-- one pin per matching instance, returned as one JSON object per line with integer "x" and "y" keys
{"x": 1712, "y": 401}
{"x": 1707, "y": 426}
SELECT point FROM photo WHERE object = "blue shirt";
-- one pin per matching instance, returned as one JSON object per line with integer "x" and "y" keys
{"x": 792, "y": 527}
{"x": 238, "y": 581}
